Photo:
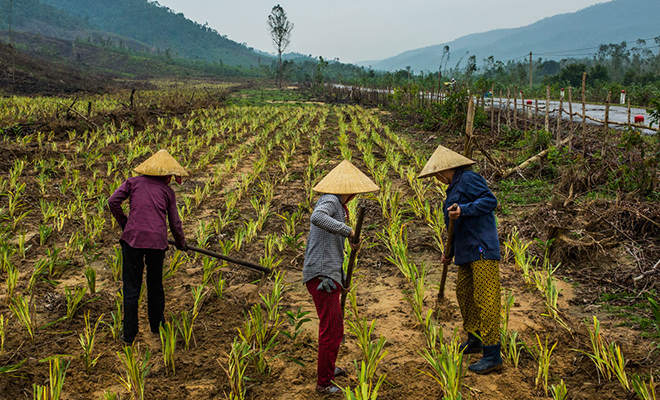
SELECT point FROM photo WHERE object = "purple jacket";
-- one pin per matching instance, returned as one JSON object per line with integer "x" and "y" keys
{"x": 151, "y": 199}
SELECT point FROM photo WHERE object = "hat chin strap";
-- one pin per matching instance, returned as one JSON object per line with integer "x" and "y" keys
{"x": 348, "y": 198}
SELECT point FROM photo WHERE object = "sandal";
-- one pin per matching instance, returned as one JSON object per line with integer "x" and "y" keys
{"x": 332, "y": 389}
{"x": 340, "y": 372}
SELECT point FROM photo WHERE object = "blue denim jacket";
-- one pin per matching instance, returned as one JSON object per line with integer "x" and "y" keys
{"x": 475, "y": 231}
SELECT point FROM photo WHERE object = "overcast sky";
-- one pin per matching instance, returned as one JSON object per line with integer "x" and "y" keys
{"x": 361, "y": 30}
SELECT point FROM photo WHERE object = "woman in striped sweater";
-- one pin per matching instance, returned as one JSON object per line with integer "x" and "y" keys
{"x": 324, "y": 257}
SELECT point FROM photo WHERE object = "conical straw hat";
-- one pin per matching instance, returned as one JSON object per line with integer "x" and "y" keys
{"x": 345, "y": 178}
{"x": 161, "y": 164}
{"x": 442, "y": 160}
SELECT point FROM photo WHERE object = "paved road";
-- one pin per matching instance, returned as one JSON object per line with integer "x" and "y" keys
{"x": 618, "y": 113}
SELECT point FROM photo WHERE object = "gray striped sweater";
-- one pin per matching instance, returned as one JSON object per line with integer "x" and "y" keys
{"x": 324, "y": 254}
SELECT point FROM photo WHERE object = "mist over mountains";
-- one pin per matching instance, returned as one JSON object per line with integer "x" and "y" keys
{"x": 562, "y": 36}
{"x": 146, "y": 26}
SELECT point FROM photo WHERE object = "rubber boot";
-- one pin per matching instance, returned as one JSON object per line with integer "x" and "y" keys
{"x": 471, "y": 345}
{"x": 491, "y": 361}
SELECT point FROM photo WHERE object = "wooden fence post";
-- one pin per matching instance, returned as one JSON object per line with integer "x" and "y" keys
{"x": 570, "y": 118}
{"x": 547, "y": 108}
{"x": 558, "y": 132}
{"x": 508, "y": 106}
{"x": 607, "y": 111}
{"x": 515, "y": 107}
{"x": 469, "y": 128}
{"x": 536, "y": 114}
{"x": 584, "y": 115}
{"x": 499, "y": 116}
{"x": 492, "y": 107}
{"x": 522, "y": 101}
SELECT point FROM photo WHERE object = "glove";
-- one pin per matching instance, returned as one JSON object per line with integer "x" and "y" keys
{"x": 182, "y": 247}
{"x": 327, "y": 284}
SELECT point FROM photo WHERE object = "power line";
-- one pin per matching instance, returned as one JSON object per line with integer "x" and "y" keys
{"x": 571, "y": 53}
{"x": 516, "y": 58}
{"x": 565, "y": 54}
{"x": 590, "y": 48}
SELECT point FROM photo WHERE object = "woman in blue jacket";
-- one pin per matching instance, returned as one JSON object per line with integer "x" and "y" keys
{"x": 476, "y": 252}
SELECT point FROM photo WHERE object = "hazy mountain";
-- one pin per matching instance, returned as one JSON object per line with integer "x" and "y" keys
{"x": 554, "y": 37}
{"x": 137, "y": 23}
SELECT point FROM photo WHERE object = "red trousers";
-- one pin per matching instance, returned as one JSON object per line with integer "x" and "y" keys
{"x": 331, "y": 330}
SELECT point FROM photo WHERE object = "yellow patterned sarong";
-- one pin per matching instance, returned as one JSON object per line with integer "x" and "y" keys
{"x": 478, "y": 294}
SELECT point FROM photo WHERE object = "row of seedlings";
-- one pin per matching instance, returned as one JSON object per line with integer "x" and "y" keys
{"x": 607, "y": 357}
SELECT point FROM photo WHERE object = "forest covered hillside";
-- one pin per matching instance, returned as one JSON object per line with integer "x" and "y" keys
{"x": 138, "y": 24}
{"x": 562, "y": 36}
{"x": 37, "y": 17}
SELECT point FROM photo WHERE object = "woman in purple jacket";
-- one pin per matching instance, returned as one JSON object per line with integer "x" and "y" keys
{"x": 476, "y": 252}
{"x": 144, "y": 237}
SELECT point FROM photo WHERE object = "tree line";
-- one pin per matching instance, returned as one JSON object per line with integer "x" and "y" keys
{"x": 612, "y": 68}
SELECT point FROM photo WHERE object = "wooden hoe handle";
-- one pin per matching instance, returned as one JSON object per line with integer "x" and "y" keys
{"x": 450, "y": 240}
{"x": 250, "y": 265}
{"x": 351, "y": 260}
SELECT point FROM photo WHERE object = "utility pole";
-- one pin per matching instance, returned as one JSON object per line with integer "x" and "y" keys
{"x": 439, "y": 81}
{"x": 13, "y": 51}
{"x": 11, "y": 5}
{"x": 530, "y": 71}
{"x": 657, "y": 41}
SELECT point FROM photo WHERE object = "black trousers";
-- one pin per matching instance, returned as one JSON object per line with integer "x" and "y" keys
{"x": 133, "y": 266}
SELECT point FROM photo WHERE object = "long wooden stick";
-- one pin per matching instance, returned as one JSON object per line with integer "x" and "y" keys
{"x": 570, "y": 121}
{"x": 515, "y": 107}
{"x": 536, "y": 114}
{"x": 485, "y": 153}
{"x": 584, "y": 115}
{"x": 547, "y": 108}
{"x": 353, "y": 255}
{"x": 531, "y": 160}
{"x": 558, "y": 130}
{"x": 445, "y": 266}
{"x": 508, "y": 106}
{"x": 80, "y": 115}
{"x": 602, "y": 121}
{"x": 607, "y": 111}
{"x": 492, "y": 108}
{"x": 469, "y": 129}
{"x": 522, "y": 102}
{"x": 499, "y": 116}
{"x": 228, "y": 259}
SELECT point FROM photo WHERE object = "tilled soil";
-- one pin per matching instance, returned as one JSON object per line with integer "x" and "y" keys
{"x": 381, "y": 292}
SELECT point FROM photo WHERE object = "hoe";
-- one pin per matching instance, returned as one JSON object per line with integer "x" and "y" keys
{"x": 250, "y": 265}
{"x": 450, "y": 238}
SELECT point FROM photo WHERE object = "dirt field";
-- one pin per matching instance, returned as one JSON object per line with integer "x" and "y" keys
{"x": 204, "y": 140}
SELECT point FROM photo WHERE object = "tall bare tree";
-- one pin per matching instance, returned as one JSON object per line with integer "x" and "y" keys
{"x": 445, "y": 58}
{"x": 11, "y": 6}
{"x": 280, "y": 29}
